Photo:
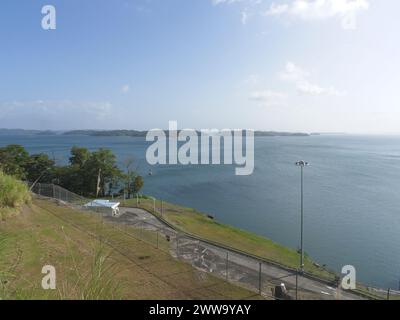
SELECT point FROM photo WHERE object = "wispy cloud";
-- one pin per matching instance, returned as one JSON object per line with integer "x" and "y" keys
{"x": 300, "y": 78}
{"x": 125, "y": 88}
{"x": 344, "y": 10}
{"x": 247, "y": 7}
{"x": 269, "y": 98}
{"x": 217, "y": 2}
{"x": 252, "y": 79}
{"x": 245, "y": 17}
{"x": 296, "y": 77}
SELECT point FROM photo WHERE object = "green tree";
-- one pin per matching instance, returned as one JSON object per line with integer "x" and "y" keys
{"x": 71, "y": 178}
{"x": 138, "y": 184}
{"x": 39, "y": 166}
{"x": 79, "y": 156}
{"x": 88, "y": 174}
{"x": 13, "y": 159}
{"x": 99, "y": 170}
{"x": 130, "y": 175}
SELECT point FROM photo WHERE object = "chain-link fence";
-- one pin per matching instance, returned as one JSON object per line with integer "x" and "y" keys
{"x": 143, "y": 220}
{"x": 59, "y": 193}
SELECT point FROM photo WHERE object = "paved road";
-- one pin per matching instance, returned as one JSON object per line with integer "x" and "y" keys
{"x": 239, "y": 268}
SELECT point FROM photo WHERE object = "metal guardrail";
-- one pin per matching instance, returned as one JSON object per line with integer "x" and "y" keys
{"x": 244, "y": 253}
{"x": 305, "y": 274}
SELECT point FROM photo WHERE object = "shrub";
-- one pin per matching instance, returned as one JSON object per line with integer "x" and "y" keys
{"x": 13, "y": 193}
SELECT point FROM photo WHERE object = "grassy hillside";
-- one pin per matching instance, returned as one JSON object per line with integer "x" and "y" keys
{"x": 13, "y": 195}
{"x": 93, "y": 260}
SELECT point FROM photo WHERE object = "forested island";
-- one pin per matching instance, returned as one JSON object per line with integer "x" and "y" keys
{"x": 135, "y": 133}
{"x": 130, "y": 133}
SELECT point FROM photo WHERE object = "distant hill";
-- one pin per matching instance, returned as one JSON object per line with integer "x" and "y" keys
{"x": 107, "y": 133}
{"x": 279, "y": 134}
{"x": 128, "y": 133}
{"x": 327, "y": 133}
{"x": 135, "y": 133}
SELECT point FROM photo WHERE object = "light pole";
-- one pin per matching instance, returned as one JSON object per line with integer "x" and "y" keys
{"x": 301, "y": 164}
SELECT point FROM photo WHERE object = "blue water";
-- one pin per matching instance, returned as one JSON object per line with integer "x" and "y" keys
{"x": 352, "y": 194}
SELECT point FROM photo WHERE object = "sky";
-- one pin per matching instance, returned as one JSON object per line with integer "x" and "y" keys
{"x": 282, "y": 65}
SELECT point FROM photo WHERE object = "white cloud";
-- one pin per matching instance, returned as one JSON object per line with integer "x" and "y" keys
{"x": 245, "y": 17}
{"x": 315, "y": 90}
{"x": 299, "y": 77}
{"x": 293, "y": 73}
{"x": 277, "y": 9}
{"x": 125, "y": 88}
{"x": 247, "y": 7}
{"x": 252, "y": 79}
{"x": 217, "y": 2}
{"x": 268, "y": 97}
{"x": 296, "y": 77}
{"x": 344, "y": 10}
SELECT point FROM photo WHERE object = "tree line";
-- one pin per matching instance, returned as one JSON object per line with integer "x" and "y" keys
{"x": 88, "y": 173}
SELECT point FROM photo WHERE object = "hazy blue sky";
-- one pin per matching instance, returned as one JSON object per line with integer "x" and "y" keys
{"x": 293, "y": 65}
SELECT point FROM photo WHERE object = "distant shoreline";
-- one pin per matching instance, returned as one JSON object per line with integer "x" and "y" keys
{"x": 130, "y": 133}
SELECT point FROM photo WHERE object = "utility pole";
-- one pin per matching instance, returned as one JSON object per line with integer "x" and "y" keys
{"x": 301, "y": 164}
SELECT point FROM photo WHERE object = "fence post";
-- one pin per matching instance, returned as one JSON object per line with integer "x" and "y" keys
{"x": 227, "y": 262}
{"x": 297, "y": 285}
{"x": 198, "y": 250}
{"x": 388, "y": 294}
{"x": 40, "y": 189}
{"x": 339, "y": 286}
{"x": 162, "y": 208}
{"x": 177, "y": 245}
{"x": 54, "y": 193}
{"x": 260, "y": 278}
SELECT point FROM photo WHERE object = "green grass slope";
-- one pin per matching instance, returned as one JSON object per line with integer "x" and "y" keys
{"x": 94, "y": 260}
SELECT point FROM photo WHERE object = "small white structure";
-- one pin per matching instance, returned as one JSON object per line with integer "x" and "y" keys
{"x": 104, "y": 206}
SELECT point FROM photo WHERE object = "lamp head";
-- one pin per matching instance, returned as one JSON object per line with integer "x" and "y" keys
{"x": 302, "y": 163}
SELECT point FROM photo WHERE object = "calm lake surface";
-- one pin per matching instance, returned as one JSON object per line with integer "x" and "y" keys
{"x": 352, "y": 193}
